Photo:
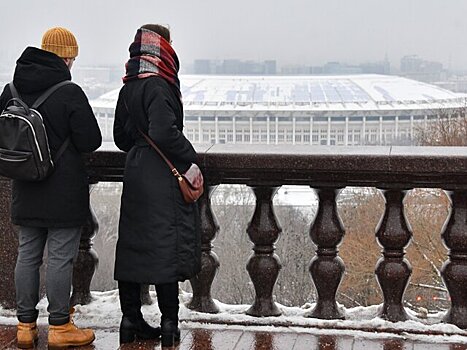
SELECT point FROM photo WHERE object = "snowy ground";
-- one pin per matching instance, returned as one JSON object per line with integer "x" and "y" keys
{"x": 104, "y": 312}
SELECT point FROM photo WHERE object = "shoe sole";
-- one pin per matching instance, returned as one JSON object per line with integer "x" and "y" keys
{"x": 62, "y": 347}
{"x": 27, "y": 345}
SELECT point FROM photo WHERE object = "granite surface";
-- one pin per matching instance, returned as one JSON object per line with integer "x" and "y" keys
{"x": 317, "y": 166}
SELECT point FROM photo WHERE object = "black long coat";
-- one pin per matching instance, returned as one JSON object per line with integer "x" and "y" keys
{"x": 61, "y": 200}
{"x": 159, "y": 237}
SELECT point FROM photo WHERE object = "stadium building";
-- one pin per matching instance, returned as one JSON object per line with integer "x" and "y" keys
{"x": 318, "y": 110}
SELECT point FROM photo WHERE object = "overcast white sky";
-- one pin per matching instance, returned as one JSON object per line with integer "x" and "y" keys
{"x": 291, "y": 31}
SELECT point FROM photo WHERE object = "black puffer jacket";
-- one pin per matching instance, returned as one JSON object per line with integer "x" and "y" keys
{"x": 61, "y": 200}
{"x": 159, "y": 237}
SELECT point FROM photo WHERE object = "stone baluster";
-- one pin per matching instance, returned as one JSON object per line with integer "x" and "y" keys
{"x": 264, "y": 340}
{"x": 201, "y": 339}
{"x": 392, "y": 269}
{"x": 86, "y": 262}
{"x": 327, "y": 342}
{"x": 393, "y": 344}
{"x": 327, "y": 268}
{"x": 202, "y": 283}
{"x": 263, "y": 265}
{"x": 454, "y": 270}
{"x": 8, "y": 247}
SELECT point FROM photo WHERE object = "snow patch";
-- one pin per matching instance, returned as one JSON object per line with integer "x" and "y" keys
{"x": 104, "y": 312}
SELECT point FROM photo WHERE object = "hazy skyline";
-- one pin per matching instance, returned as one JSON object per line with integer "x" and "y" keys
{"x": 292, "y": 32}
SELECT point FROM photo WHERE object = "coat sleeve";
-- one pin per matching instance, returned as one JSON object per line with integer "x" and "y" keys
{"x": 163, "y": 129}
{"x": 122, "y": 137}
{"x": 85, "y": 132}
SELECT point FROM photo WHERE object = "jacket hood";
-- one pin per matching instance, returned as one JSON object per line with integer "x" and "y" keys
{"x": 36, "y": 70}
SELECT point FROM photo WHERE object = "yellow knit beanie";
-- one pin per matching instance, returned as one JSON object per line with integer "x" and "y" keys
{"x": 61, "y": 42}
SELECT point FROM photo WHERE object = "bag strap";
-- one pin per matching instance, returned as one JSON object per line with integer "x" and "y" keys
{"x": 40, "y": 100}
{"x": 153, "y": 145}
{"x": 169, "y": 163}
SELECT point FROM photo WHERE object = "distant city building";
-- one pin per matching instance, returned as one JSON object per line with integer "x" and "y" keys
{"x": 98, "y": 74}
{"x": 337, "y": 68}
{"x": 414, "y": 67}
{"x": 234, "y": 67}
{"x": 308, "y": 110}
{"x": 382, "y": 67}
{"x": 455, "y": 83}
{"x": 342, "y": 69}
{"x": 297, "y": 69}
{"x": 270, "y": 67}
{"x": 97, "y": 80}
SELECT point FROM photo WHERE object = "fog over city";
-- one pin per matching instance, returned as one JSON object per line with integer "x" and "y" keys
{"x": 291, "y": 32}
{"x": 294, "y": 108}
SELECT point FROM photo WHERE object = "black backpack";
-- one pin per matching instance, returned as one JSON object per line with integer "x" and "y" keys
{"x": 24, "y": 148}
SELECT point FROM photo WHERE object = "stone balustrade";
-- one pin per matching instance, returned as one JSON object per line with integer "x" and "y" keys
{"x": 264, "y": 168}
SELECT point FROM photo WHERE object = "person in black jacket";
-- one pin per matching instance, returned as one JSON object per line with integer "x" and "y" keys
{"x": 52, "y": 211}
{"x": 159, "y": 238}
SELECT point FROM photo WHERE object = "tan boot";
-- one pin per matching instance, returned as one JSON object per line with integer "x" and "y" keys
{"x": 64, "y": 336}
{"x": 26, "y": 335}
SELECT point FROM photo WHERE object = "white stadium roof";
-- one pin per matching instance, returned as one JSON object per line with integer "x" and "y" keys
{"x": 306, "y": 93}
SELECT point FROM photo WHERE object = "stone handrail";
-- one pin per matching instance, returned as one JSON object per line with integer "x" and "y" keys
{"x": 326, "y": 169}
{"x": 317, "y": 166}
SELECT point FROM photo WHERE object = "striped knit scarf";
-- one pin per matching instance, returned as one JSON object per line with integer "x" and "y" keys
{"x": 152, "y": 55}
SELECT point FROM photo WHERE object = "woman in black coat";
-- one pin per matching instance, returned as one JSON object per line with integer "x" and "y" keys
{"x": 159, "y": 241}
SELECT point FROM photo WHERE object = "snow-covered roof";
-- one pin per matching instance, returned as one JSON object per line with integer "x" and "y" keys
{"x": 364, "y": 92}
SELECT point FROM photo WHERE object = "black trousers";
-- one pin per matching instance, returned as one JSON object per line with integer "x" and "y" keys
{"x": 130, "y": 300}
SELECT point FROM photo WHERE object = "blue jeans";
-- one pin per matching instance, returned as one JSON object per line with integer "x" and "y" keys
{"x": 63, "y": 244}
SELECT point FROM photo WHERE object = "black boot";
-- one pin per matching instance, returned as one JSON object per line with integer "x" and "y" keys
{"x": 170, "y": 333}
{"x": 131, "y": 329}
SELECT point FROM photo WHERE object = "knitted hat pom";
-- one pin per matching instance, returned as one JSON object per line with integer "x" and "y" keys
{"x": 61, "y": 42}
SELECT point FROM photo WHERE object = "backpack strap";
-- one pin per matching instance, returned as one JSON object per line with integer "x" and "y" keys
{"x": 49, "y": 92}
{"x": 40, "y": 100}
{"x": 14, "y": 92}
{"x": 61, "y": 149}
